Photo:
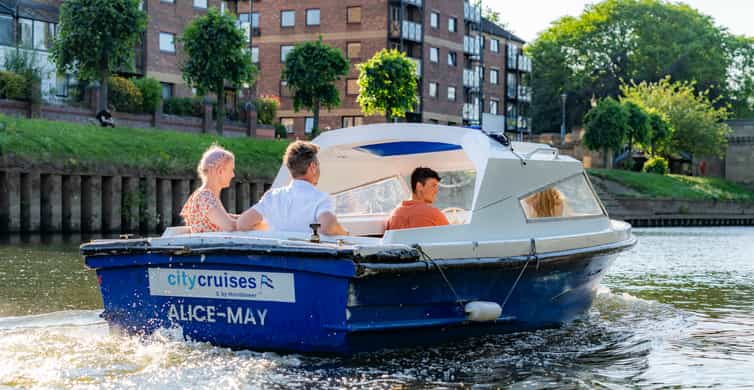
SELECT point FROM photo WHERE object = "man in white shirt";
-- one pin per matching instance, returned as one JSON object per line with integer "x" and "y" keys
{"x": 294, "y": 207}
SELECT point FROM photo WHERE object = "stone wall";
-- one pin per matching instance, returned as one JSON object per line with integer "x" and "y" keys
{"x": 739, "y": 160}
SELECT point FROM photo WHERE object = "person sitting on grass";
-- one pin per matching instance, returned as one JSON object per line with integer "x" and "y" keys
{"x": 203, "y": 211}
{"x": 105, "y": 118}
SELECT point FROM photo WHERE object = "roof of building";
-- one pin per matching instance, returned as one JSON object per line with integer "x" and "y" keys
{"x": 491, "y": 28}
{"x": 30, "y": 9}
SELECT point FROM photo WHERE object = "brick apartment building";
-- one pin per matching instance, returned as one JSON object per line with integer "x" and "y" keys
{"x": 466, "y": 65}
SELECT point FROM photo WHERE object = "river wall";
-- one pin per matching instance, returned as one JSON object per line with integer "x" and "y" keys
{"x": 38, "y": 201}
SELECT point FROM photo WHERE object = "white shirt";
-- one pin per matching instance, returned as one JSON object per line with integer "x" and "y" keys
{"x": 295, "y": 207}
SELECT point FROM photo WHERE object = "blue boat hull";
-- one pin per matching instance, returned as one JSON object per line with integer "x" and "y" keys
{"x": 339, "y": 305}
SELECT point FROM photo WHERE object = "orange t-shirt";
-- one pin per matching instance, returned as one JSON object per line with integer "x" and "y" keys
{"x": 415, "y": 214}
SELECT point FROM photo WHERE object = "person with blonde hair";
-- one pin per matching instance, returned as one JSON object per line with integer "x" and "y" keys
{"x": 545, "y": 204}
{"x": 203, "y": 211}
{"x": 295, "y": 207}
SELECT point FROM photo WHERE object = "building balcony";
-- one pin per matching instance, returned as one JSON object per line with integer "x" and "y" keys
{"x": 512, "y": 91}
{"x": 471, "y": 112}
{"x": 472, "y": 78}
{"x": 472, "y": 45}
{"x": 471, "y": 13}
{"x": 406, "y": 29}
{"x": 417, "y": 3}
{"x": 524, "y": 63}
{"x": 524, "y": 93}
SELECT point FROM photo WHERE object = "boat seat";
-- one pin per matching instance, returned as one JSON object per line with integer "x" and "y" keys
{"x": 364, "y": 225}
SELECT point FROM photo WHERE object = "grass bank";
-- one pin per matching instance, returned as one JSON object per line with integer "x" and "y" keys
{"x": 650, "y": 185}
{"x": 76, "y": 145}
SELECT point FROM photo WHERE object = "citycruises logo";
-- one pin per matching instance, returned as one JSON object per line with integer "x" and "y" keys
{"x": 254, "y": 286}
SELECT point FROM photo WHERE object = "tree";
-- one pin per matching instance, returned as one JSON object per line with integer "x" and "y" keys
{"x": 217, "y": 54}
{"x": 617, "y": 41}
{"x": 96, "y": 38}
{"x": 661, "y": 131}
{"x": 387, "y": 84}
{"x": 698, "y": 126}
{"x": 606, "y": 126}
{"x": 310, "y": 71}
{"x": 639, "y": 130}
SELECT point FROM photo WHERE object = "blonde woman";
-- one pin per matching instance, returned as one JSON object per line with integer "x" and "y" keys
{"x": 203, "y": 211}
{"x": 545, "y": 204}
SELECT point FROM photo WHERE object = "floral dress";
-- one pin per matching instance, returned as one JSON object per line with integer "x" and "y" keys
{"x": 196, "y": 211}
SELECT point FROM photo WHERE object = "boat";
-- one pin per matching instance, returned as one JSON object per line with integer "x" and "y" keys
{"x": 500, "y": 266}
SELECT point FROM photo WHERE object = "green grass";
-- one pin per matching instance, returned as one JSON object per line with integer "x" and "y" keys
{"x": 676, "y": 186}
{"x": 75, "y": 145}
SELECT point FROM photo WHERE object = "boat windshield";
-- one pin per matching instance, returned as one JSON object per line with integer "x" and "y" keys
{"x": 375, "y": 198}
{"x": 570, "y": 198}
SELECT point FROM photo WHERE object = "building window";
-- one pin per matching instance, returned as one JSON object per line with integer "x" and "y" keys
{"x": 451, "y": 58}
{"x": 284, "y": 50}
{"x": 494, "y": 76}
{"x": 433, "y": 89}
{"x": 351, "y": 121}
{"x": 167, "y": 90}
{"x": 308, "y": 124}
{"x": 512, "y": 85}
{"x": 255, "y": 55}
{"x": 353, "y": 15}
{"x": 6, "y": 30}
{"x": 284, "y": 90}
{"x": 255, "y": 20}
{"x": 451, "y": 94}
{"x": 200, "y": 4}
{"x": 288, "y": 124}
{"x": 312, "y": 17}
{"x": 434, "y": 20}
{"x": 353, "y": 49}
{"x": 452, "y": 24}
{"x": 434, "y": 54}
{"x": 493, "y": 106}
{"x": 25, "y": 33}
{"x": 287, "y": 18}
{"x": 494, "y": 45}
{"x": 352, "y": 86}
{"x": 167, "y": 42}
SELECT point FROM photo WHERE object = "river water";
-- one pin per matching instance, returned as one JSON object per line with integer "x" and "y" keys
{"x": 675, "y": 311}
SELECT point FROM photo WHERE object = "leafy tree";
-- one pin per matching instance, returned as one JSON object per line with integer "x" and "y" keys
{"x": 622, "y": 40}
{"x": 96, "y": 38}
{"x": 661, "y": 131}
{"x": 606, "y": 126}
{"x": 698, "y": 126}
{"x": 387, "y": 84}
{"x": 639, "y": 130}
{"x": 310, "y": 71}
{"x": 216, "y": 55}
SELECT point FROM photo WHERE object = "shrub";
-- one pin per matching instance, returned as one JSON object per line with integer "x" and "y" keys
{"x": 183, "y": 106}
{"x": 25, "y": 64}
{"x": 656, "y": 165}
{"x": 280, "y": 131}
{"x": 13, "y": 86}
{"x": 315, "y": 132}
{"x": 267, "y": 108}
{"x": 151, "y": 93}
{"x": 124, "y": 95}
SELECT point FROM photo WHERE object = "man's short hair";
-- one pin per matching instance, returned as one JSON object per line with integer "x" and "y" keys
{"x": 420, "y": 175}
{"x": 298, "y": 156}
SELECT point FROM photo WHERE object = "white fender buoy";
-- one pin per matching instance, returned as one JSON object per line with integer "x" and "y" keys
{"x": 482, "y": 311}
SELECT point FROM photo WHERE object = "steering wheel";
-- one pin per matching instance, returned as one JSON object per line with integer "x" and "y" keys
{"x": 453, "y": 214}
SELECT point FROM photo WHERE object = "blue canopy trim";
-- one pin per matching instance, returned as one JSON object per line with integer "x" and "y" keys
{"x": 403, "y": 148}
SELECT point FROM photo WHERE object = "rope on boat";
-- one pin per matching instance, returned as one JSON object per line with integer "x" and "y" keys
{"x": 445, "y": 278}
{"x": 532, "y": 255}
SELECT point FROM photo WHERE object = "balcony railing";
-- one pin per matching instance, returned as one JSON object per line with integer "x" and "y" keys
{"x": 524, "y": 63}
{"x": 472, "y": 78}
{"x": 524, "y": 93}
{"x": 471, "y": 112}
{"x": 472, "y": 45}
{"x": 471, "y": 13}
{"x": 412, "y": 31}
{"x": 417, "y": 3}
{"x": 512, "y": 91}
{"x": 418, "y": 63}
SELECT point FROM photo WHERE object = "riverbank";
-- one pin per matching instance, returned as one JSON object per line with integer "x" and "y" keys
{"x": 64, "y": 147}
{"x": 644, "y": 199}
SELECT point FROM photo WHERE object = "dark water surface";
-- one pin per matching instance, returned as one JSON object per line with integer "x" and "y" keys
{"x": 675, "y": 311}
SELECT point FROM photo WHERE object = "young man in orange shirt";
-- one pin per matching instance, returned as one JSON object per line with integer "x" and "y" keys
{"x": 418, "y": 212}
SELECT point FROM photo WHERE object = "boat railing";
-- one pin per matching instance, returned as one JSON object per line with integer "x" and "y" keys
{"x": 554, "y": 151}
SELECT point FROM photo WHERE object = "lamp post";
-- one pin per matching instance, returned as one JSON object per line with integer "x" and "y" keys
{"x": 563, "y": 98}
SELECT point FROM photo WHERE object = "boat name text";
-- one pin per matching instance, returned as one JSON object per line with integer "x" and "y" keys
{"x": 209, "y": 313}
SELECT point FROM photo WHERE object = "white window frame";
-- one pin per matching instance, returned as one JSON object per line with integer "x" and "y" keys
{"x": 494, "y": 45}
{"x": 434, "y": 19}
{"x": 494, "y": 76}
{"x": 434, "y": 54}
{"x": 202, "y": 4}
{"x": 287, "y": 12}
{"x": 451, "y": 88}
{"x": 285, "y": 49}
{"x": 167, "y": 46}
{"x": 310, "y": 12}
{"x": 433, "y": 86}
